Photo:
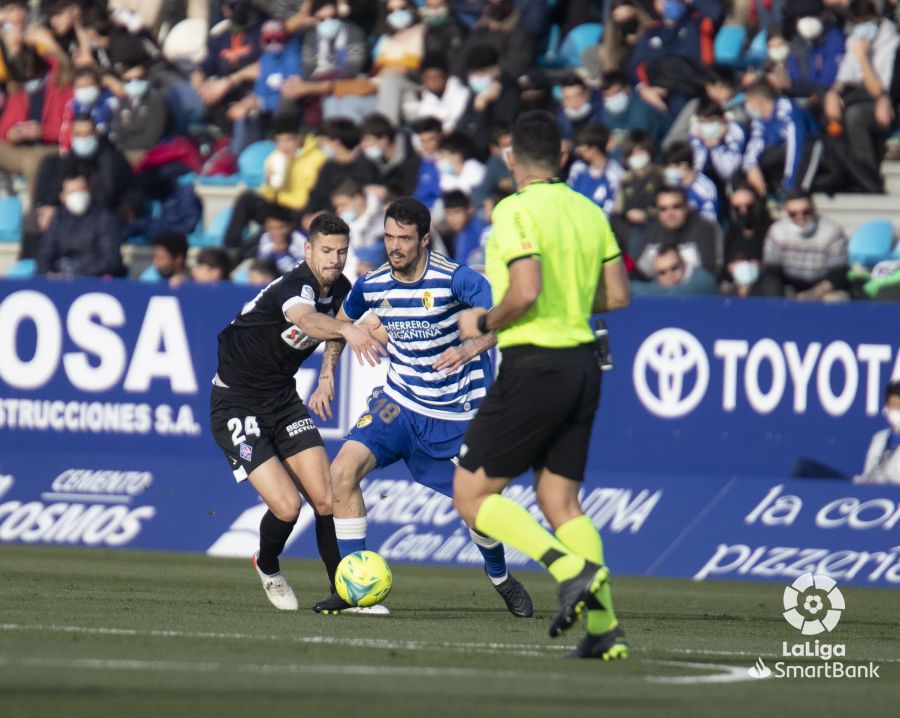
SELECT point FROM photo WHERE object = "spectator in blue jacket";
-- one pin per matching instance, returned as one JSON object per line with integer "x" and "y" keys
{"x": 594, "y": 174}
{"x": 718, "y": 144}
{"x": 462, "y": 228}
{"x": 667, "y": 62}
{"x": 425, "y": 142}
{"x": 680, "y": 171}
{"x": 780, "y": 155}
{"x": 580, "y": 107}
{"x": 816, "y": 50}
{"x": 623, "y": 110}
{"x": 84, "y": 238}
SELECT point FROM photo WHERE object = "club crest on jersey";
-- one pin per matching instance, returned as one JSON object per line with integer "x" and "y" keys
{"x": 427, "y": 300}
{"x": 364, "y": 421}
{"x": 246, "y": 452}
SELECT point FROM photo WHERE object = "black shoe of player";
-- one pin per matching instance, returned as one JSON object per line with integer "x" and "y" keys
{"x": 573, "y": 594}
{"x": 331, "y": 605}
{"x": 517, "y": 600}
{"x": 609, "y": 646}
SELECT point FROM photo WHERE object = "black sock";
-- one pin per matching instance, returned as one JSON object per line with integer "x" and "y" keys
{"x": 273, "y": 535}
{"x": 326, "y": 540}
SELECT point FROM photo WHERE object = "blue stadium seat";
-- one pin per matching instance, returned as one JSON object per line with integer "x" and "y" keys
{"x": 756, "y": 53}
{"x": 578, "y": 40}
{"x": 250, "y": 163}
{"x": 871, "y": 243}
{"x": 150, "y": 274}
{"x": 22, "y": 269}
{"x": 214, "y": 235}
{"x": 729, "y": 45}
{"x": 10, "y": 219}
{"x": 551, "y": 57}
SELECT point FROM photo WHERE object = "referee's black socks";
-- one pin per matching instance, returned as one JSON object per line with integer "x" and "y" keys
{"x": 273, "y": 535}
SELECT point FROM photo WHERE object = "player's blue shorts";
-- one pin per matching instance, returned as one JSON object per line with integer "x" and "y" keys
{"x": 393, "y": 432}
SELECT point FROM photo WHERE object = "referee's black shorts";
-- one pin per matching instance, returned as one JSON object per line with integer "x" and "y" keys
{"x": 538, "y": 413}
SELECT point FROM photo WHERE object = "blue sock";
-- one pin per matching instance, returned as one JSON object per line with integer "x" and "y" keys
{"x": 494, "y": 556}
{"x": 351, "y": 535}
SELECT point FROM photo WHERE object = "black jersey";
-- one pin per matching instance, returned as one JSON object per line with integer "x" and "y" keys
{"x": 260, "y": 351}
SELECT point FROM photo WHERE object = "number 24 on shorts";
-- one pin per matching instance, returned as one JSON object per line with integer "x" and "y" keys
{"x": 249, "y": 426}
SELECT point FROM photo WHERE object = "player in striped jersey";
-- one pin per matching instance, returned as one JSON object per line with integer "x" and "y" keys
{"x": 434, "y": 385}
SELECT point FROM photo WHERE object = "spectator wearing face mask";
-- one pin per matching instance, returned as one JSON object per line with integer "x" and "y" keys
{"x": 444, "y": 35}
{"x": 363, "y": 211}
{"x": 497, "y": 176}
{"x": 681, "y": 171}
{"x": 89, "y": 97}
{"x": 401, "y": 48}
{"x": 281, "y": 242}
{"x": 623, "y": 110}
{"x": 780, "y": 155}
{"x": 594, "y": 174}
{"x": 339, "y": 140}
{"x": 860, "y": 97}
{"x": 749, "y": 224}
{"x": 628, "y": 19}
{"x": 883, "y": 457}
{"x": 425, "y": 141}
{"x": 494, "y": 97}
{"x": 718, "y": 144}
{"x": 141, "y": 118}
{"x": 457, "y": 165}
{"x": 84, "y": 238}
{"x": 817, "y": 49}
{"x": 580, "y": 107}
{"x": 636, "y": 199}
{"x": 391, "y": 152}
{"x": 805, "y": 254}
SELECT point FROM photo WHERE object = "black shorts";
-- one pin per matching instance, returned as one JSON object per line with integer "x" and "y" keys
{"x": 251, "y": 431}
{"x": 538, "y": 413}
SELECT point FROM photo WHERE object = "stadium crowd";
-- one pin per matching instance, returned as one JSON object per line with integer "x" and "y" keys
{"x": 706, "y": 164}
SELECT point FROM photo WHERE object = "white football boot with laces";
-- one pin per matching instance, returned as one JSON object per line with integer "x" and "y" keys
{"x": 277, "y": 589}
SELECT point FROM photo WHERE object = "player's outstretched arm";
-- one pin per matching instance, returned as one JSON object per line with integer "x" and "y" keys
{"x": 325, "y": 328}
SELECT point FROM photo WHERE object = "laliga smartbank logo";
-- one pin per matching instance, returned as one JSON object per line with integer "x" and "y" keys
{"x": 813, "y": 604}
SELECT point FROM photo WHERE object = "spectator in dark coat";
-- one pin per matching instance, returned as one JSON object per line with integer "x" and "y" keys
{"x": 142, "y": 115}
{"x": 84, "y": 238}
{"x": 500, "y": 26}
{"x": 391, "y": 153}
{"x": 339, "y": 139}
{"x": 494, "y": 98}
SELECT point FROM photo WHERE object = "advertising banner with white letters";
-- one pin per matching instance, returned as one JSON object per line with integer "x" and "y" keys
{"x": 105, "y": 441}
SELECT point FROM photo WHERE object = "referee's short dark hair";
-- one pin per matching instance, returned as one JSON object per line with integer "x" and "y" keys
{"x": 406, "y": 211}
{"x": 326, "y": 224}
{"x": 536, "y": 139}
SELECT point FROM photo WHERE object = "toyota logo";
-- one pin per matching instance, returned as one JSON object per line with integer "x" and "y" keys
{"x": 682, "y": 373}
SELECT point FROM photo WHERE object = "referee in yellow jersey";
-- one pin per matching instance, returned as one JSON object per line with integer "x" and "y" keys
{"x": 552, "y": 261}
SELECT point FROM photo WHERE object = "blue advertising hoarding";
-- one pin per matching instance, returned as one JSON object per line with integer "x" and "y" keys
{"x": 105, "y": 436}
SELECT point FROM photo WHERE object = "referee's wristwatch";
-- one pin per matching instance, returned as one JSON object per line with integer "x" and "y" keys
{"x": 482, "y": 323}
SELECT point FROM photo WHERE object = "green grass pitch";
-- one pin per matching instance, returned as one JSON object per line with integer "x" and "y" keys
{"x": 97, "y": 633}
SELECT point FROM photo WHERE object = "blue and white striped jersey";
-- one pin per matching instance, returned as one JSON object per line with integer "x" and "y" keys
{"x": 420, "y": 318}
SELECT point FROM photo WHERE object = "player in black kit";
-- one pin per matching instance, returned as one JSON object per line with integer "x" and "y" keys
{"x": 257, "y": 417}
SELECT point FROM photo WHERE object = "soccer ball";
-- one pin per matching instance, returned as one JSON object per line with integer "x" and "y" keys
{"x": 363, "y": 578}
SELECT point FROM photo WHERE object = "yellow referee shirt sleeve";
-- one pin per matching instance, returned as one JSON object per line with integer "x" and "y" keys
{"x": 611, "y": 250}
{"x": 515, "y": 234}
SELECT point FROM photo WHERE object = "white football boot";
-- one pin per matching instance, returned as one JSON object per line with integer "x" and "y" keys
{"x": 277, "y": 589}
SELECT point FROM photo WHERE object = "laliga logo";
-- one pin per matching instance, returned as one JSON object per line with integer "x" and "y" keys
{"x": 672, "y": 354}
{"x": 813, "y": 604}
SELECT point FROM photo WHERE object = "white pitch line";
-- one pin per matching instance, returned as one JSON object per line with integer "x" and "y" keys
{"x": 724, "y": 674}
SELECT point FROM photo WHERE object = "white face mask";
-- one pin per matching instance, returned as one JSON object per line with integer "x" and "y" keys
{"x": 779, "y": 53}
{"x": 745, "y": 273}
{"x": 329, "y": 28}
{"x": 87, "y": 95}
{"x": 673, "y": 177}
{"x": 136, "y": 89}
{"x": 865, "y": 31}
{"x": 579, "y": 113}
{"x": 639, "y": 161}
{"x": 809, "y": 28}
{"x": 893, "y": 418}
{"x": 617, "y": 104}
{"x": 374, "y": 153}
{"x": 77, "y": 202}
{"x": 446, "y": 167}
{"x": 349, "y": 216}
{"x": 400, "y": 19}
{"x": 480, "y": 83}
{"x": 84, "y": 146}
{"x": 710, "y": 130}
{"x": 328, "y": 151}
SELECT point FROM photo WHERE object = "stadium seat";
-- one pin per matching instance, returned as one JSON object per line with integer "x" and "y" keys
{"x": 22, "y": 269}
{"x": 214, "y": 235}
{"x": 550, "y": 58}
{"x": 872, "y": 243}
{"x": 10, "y": 219}
{"x": 250, "y": 163}
{"x": 756, "y": 53}
{"x": 729, "y": 45}
{"x": 578, "y": 40}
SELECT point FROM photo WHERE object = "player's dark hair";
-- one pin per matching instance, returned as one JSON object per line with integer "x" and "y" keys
{"x": 379, "y": 126}
{"x": 428, "y": 124}
{"x": 679, "y": 153}
{"x": 892, "y": 389}
{"x": 536, "y": 139}
{"x": 343, "y": 130}
{"x": 175, "y": 243}
{"x": 594, "y": 135}
{"x": 217, "y": 258}
{"x": 456, "y": 199}
{"x": 407, "y": 211}
{"x": 327, "y": 224}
